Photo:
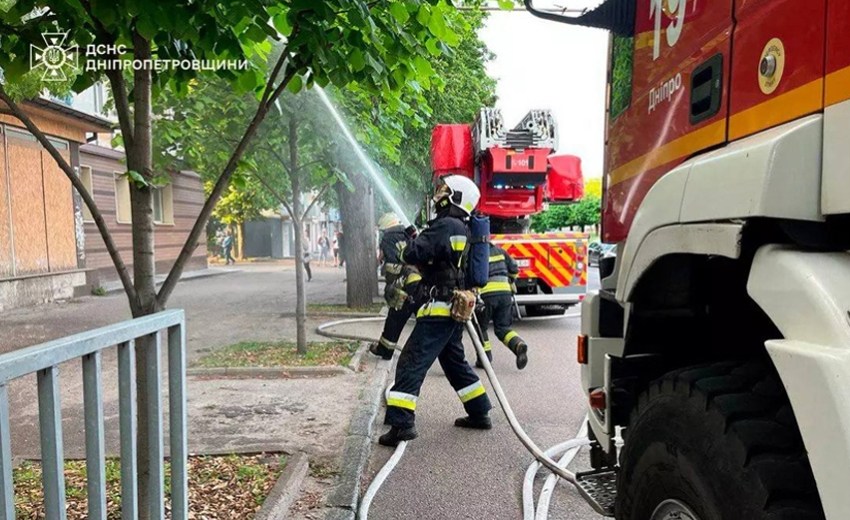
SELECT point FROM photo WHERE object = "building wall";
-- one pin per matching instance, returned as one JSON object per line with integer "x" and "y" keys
{"x": 187, "y": 198}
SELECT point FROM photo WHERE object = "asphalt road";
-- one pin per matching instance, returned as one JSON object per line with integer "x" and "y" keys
{"x": 448, "y": 473}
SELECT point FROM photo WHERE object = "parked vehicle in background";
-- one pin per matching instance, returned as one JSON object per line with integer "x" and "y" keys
{"x": 597, "y": 250}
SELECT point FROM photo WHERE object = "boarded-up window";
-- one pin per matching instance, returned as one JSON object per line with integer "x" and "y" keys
{"x": 88, "y": 182}
{"x": 122, "y": 199}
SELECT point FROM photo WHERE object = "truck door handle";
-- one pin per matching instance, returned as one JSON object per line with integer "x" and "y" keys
{"x": 707, "y": 89}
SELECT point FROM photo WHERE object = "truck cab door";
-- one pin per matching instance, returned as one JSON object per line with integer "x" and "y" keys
{"x": 668, "y": 100}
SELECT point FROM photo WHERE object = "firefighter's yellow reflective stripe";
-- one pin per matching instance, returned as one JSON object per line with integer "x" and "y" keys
{"x": 393, "y": 268}
{"x": 493, "y": 287}
{"x": 488, "y": 346}
{"x": 509, "y": 336}
{"x": 458, "y": 242}
{"x": 513, "y": 275}
{"x": 496, "y": 258}
{"x": 435, "y": 309}
{"x": 402, "y": 400}
{"x": 387, "y": 343}
{"x": 413, "y": 278}
{"x": 471, "y": 392}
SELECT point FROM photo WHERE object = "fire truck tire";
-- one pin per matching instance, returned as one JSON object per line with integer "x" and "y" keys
{"x": 721, "y": 440}
{"x": 533, "y": 311}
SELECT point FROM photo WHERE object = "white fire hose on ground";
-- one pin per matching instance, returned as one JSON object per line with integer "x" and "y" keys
{"x": 568, "y": 450}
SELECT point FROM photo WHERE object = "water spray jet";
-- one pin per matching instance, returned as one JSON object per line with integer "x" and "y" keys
{"x": 378, "y": 179}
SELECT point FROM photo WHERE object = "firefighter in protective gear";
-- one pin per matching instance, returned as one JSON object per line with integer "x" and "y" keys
{"x": 438, "y": 252}
{"x": 498, "y": 306}
{"x": 401, "y": 282}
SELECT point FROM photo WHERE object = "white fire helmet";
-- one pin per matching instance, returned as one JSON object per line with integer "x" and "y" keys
{"x": 459, "y": 191}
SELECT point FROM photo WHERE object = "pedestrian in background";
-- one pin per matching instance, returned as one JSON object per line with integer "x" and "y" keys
{"x": 324, "y": 248}
{"x": 305, "y": 245}
{"x": 340, "y": 238}
{"x": 336, "y": 249}
{"x": 227, "y": 246}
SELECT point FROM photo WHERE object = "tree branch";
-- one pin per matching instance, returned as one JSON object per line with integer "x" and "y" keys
{"x": 111, "y": 248}
{"x": 276, "y": 194}
{"x": 315, "y": 200}
{"x": 116, "y": 81}
{"x": 220, "y": 185}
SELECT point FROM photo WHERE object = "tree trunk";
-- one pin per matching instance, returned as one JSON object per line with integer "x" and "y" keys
{"x": 140, "y": 160}
{"x": 361, "y": 270}
{"x": 240, "y": 240}
{"x": 298, "y": 225}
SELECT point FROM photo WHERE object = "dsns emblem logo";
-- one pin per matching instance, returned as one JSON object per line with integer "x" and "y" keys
{"x": 54, "y": 58}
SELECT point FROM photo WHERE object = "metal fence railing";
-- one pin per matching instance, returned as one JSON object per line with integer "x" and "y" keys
{"x": 45, "y": 359}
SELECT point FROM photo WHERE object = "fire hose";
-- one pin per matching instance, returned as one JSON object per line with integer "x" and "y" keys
{"x": 567, "y": 450}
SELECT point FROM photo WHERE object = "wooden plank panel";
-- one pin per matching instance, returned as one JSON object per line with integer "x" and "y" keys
{"x": 6, "y": 261}
{"x": 59, "y": 210}
{"x": 28, "y": 224}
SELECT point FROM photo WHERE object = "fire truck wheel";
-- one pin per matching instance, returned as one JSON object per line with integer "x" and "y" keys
{"x": 534, "y": 311}
{"x": 716, "y": 442}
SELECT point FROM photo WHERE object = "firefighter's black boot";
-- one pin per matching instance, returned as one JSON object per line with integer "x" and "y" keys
{"x": 479, "y": 364}
{"x": 381, "y": 351}
{"x": 475, "y": 422}
{"x": 521, "y": 351}
{"x": 396, "y": 435}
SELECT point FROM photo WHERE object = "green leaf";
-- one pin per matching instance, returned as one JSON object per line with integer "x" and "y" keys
{"x": 295, "y": 84}
{"x": 437, "y": 24}
{"x": 399, "y": 12}
{"x": 433, "y": 47}
{"x": 506, "y": 4}
{"x": 281, "y": 23}
{"x": 146, "y": 26}
{"x": 423, "y": 15}
{"x": 357, "y": 61}
{"x": 137, "y": 178}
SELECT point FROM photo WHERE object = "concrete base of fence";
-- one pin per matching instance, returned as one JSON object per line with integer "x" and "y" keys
{"x": 285, "y": 492}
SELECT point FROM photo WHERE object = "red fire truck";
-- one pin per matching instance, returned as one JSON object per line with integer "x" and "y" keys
{"x": 719, "y": 343}
{"x": 519, "y": 177}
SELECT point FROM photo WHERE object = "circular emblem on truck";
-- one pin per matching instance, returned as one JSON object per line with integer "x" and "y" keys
{"x": 771, "y": 66}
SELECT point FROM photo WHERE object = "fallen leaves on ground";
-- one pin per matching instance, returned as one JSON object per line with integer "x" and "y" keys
{"x": 278, "y": 354}
{"x": 231, "y": 487}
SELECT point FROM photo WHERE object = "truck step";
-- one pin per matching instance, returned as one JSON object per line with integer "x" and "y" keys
{"x": 599, "y": 489}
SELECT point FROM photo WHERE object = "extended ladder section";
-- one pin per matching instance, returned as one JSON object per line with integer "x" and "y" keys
{"x": 536, "y": 130}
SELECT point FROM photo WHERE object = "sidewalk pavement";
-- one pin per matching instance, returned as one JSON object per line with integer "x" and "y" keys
{"x": 249, "y": 304}
{"x": 117, "y": 287}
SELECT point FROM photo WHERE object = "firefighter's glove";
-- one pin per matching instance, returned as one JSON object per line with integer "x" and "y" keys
{"x": 411, "y": 232}
{"x": 396, "y": 297}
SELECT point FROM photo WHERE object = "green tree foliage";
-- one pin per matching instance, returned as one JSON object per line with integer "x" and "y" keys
{"x": 586, "y": 212}
{"x": 621, "y": 74}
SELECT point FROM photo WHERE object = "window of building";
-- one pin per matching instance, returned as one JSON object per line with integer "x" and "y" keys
{"x": 122, "y": 199}
{"x": 88, "y": 182}
{"x": 163, "y": 205}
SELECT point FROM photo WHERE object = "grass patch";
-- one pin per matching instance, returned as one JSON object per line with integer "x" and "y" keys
{"x": 221, "y": 487}
{"x": 341, "y": 308}
{"x": 277, "y": 354}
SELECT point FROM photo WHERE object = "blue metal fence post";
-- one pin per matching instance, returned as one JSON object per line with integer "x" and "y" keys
{"x": 127, "y": 420}
{"x": 52, "y": 458}
{"x": 177, "y": 421}
{"x": 7, "y": 496}
{"x": 95, "y": 444}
